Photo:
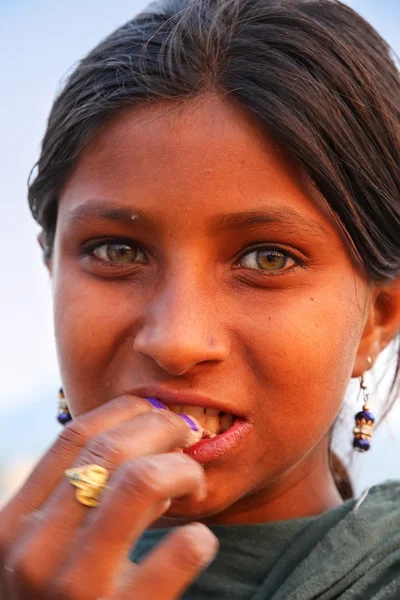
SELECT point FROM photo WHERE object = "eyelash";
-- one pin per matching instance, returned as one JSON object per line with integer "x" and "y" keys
{"x": 274, "y": 250}
{"x": 88, "y": 251}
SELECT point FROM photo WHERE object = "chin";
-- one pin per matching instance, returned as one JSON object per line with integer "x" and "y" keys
{"x": 186, "y": 508}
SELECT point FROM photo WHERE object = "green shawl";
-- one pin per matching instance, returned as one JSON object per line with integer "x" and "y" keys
{"x": 349, "y": 553}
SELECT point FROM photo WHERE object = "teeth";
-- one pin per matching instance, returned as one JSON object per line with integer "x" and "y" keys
{"x": 208, "y": 434}
{"x": 209, "y": 418}
{"x": 212, "y": 426}
{"x": 195, "y": 411}
{"x": 226, "y": 422}
{"x": 202, "y": 419}
{"x": 212, "y": 412}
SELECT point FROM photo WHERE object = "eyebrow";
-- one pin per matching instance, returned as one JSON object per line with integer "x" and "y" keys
{"x": 102, "y": 210}
{"x": 287, "y": 217}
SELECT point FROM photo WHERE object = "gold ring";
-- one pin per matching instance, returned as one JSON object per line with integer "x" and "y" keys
{"x": 90, "y": 481}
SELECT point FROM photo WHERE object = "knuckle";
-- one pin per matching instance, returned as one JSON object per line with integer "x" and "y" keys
{"x": 166, "y": 416}
{"x": 76, "y": 434}
{"x": 186, "y": 465}
{"x": 168, "y": 420}
{"x": 105, "y": 447}
{"x": 187, "y": 462}
{"x": 143, "y": 476}
{"x": 126, "y": 402}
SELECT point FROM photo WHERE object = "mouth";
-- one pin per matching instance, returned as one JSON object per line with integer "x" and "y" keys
{"x": 214, "y": 417}
{"x": 225, "y": 431}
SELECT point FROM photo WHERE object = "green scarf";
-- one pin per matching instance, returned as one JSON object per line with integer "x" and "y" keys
{"x": 349, "y": 553}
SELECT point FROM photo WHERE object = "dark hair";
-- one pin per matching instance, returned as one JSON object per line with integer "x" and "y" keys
{"x": 317, "y": 77}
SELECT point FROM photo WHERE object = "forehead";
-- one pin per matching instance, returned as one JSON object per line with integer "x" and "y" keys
{"x": 198, "y": 158}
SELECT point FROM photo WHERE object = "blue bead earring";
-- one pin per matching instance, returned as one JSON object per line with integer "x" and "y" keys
{"x": 364, "y": 420}
{"x": 63, "y": 414}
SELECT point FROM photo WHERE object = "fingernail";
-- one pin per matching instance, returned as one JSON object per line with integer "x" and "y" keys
{"x": 191, "y": 422}
{"x": 165, "y": 505}
{"x": 157, "y": 403}
{"x": 195, "y": 432}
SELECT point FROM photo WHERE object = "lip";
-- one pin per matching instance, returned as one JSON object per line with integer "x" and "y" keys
{"x": 186, "y": 398}
{"x": 228, "y": 444}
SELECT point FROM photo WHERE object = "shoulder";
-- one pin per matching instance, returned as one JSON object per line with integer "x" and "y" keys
{"x": 375, "y": 515}
{"x": 378, "y": 497}
{"x": 375, "y": 522}
{"x": 360, "y": 552}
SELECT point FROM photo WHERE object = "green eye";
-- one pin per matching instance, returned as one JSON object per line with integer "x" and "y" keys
{"x": 118, "y": 253}
{"x": 266, "y": 259}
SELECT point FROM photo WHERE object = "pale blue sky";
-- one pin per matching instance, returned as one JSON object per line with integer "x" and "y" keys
{"x": 39, "y": 42}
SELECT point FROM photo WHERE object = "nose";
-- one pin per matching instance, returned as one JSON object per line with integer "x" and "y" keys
{"x": 182, "y": 329}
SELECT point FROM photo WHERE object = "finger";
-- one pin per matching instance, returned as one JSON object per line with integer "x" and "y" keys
{"x": 155, "y": 432}
{"x": 139, "y": 491}
{"x": 170, "y": 569}
{"x": 50, "y": 530}
{"x": 48, "y": 472}
{"x": 149, "y": 433}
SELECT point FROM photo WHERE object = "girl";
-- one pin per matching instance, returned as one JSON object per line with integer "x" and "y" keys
{"x": 218, "y": 190}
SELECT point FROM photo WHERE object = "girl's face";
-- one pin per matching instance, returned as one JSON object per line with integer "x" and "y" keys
{"x": 192, "y": 256}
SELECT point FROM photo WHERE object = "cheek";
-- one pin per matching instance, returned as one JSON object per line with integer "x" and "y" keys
{"x": 92, "y": 318}
{"x": 300, "y": 352}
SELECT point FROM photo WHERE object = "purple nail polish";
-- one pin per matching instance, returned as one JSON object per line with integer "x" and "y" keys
{"x": 190, "y": 422}
{"x": 157, "y": 403}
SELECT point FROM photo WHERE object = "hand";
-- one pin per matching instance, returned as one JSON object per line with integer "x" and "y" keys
{"x": 54, "y": 548}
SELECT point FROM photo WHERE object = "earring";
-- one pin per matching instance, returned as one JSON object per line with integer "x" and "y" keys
{"x": 364, "y": 420}
{"x": 63, "y": 414}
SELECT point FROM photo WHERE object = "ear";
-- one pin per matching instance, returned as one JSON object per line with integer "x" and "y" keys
{"x": 382, "y": 324}
{"x": 44, "y": 247}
